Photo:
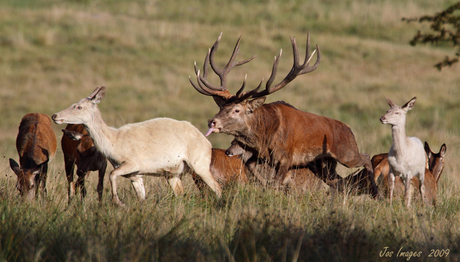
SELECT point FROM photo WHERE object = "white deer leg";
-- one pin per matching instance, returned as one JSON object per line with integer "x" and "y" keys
{"x": 391, "y": 184}
{"x": 408, "y": 191}
{"x": 176, "y": 185}
{"x": 124, "y": 169}
{"x": 138, "y": 183}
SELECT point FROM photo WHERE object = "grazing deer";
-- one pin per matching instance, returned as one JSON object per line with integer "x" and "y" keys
{"x": 160, "y": 146}
{"x": 406, "y": 157}
{"x": 79, "y": 150}
{"x": 432, "y": 173}
{"x": 36, "y": 145}
{"x": 224, "y": 169}
{"x": 278, "y": 132}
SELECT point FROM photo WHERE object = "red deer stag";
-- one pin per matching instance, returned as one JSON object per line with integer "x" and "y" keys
{"x": 433, "y": 171}
{"x": 79, "y": 150}
{"x": 277, "y": 132}
{"x": 36, "y": 144}
{"x": 160, "y": 146}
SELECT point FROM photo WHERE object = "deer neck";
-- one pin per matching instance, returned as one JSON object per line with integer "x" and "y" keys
{"x": 399, "y": 140}
{"x": 102, "y": 135}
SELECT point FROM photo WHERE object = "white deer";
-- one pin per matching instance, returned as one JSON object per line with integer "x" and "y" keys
{"x": 406, "y": 157}
{"x": 160, "y": 146}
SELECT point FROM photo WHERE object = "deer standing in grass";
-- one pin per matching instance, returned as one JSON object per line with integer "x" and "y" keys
{"x": 160, "y": 146}
{"x": 433, "y": 171}
{"x": 36, "y": 144}
{"x": 277, "y": 132}
{"x": 79, "y": 150}
{"x": 406, "y": 157}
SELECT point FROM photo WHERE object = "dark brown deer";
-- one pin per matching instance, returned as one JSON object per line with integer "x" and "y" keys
{"x": 36, "y": 145}
{"x": 79, "y": 150}
{"x": 433, "y": 171}
{"x": 278, "y": 132}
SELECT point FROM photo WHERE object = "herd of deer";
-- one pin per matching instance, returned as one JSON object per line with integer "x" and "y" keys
{"x": 275, "y": 144}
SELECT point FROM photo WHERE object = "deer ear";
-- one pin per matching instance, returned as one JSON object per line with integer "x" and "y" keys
{"x": 390, "y": 103}
{"x": 72, "y": 134}
{"x": 256, "y": 103}
{"x": 443, "y": 149}
{"x": 97, "y": 95}
{"x": 409, "y": 105}
{"x": 14, "y": 166}
{"x": 427, "y": 148}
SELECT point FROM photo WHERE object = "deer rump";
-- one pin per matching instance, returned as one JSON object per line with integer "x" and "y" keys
{"x": 289, "y": 138}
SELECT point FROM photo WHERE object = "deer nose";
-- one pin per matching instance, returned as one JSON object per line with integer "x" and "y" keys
{"x": 228, "y": 153}
{"x": 382, "y": 119}
{"x": 54, "y": 117}
{"x": 212, "y": 123}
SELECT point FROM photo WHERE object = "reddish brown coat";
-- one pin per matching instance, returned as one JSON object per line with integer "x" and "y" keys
{"x": 79, "y": 150}
{"x": 36, "y": 145}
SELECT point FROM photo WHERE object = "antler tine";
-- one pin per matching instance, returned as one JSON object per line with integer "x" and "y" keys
{"x": 222, "y": 73}
{"x": 296, "y": 70}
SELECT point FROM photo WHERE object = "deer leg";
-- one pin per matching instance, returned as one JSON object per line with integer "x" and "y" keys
{"x": 202, "y": 170}
{"x": 391, "y": 184}
{"x": 124, "y": 169}
{"x": 80, "y": 184}
{"x": 100, "y": 184}
{"x": 69, "y": 168}
{"x": 408, "y": 191}
{"x": 42, "y": 179}
{"x": 176, "y": 185}
{"x": 138, "y": 183}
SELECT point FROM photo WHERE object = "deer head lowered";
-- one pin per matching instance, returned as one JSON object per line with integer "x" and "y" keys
{"x": 277, "y": 132}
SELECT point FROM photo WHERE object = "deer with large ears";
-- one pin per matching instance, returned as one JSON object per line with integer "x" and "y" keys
{"x": 406, "y": 157}
{"x": 278, "y": 132}
{"x": 160, "y": 146}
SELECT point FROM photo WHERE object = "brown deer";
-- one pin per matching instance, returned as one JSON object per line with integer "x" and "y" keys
{"x": 160, "y": 146}
{"x": 278, "y": 132}
{"x": 433, "y": 171}
{"x": 79, "y": 150}
{"x": 224, "y": 169}
{"x": 36, "y": 145}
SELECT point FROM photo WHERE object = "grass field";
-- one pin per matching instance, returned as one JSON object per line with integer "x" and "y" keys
{"x": 54, "y": 53}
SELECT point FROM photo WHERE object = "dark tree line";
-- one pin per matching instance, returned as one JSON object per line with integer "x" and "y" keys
{"x": 445, "y": 27}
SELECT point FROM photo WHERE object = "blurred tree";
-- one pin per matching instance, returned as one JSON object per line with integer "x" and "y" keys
{"x": 446, "y": 29}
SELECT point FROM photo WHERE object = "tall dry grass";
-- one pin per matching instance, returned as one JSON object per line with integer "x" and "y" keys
{"x": 56, "y": 52}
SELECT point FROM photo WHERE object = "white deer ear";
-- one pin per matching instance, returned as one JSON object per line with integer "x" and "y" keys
{"x": 409, "y": 105}
{"x": 97, "y": 95}
{"x": 390, "y": 103}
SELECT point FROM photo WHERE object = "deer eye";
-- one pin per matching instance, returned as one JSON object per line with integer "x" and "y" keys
{"x": 79, "y": 107}
{"x": 237, "y": 110}
{"x": 396, "y": 113}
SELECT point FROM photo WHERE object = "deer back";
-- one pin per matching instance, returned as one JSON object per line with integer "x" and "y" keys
{"x": 36, "y": 144}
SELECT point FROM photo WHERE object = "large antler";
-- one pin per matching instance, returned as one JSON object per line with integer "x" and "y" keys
{"x": 221, "y": 95}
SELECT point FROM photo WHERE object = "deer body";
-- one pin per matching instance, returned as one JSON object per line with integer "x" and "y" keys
{"x": 160, "y": 146}
{"x": 224, "y": 169}
{"x": 36, "y": 144}
{"x": 406, "y": 157}
{"x": 79, "y": 150}
{"x": 433, "y": 171}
